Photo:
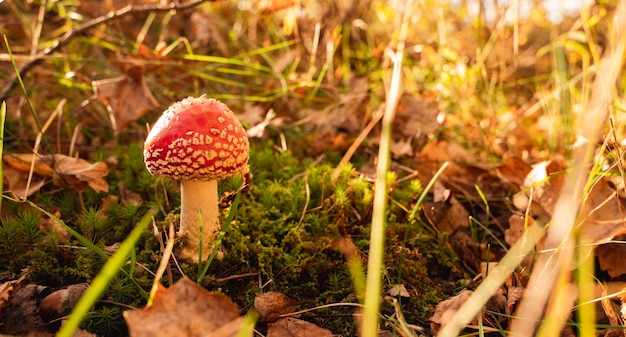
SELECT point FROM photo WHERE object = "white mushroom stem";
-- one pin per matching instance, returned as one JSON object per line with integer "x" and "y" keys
{"x": 198, "y": 197}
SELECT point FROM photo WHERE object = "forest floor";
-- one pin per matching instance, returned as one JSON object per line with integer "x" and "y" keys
{"x": 488, "y": 130}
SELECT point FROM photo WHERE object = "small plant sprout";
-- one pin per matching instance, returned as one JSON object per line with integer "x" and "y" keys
{"x": 197, "y": 141}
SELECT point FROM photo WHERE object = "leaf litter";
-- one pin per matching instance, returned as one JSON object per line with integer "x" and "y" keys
{"x": 529, "y": 190}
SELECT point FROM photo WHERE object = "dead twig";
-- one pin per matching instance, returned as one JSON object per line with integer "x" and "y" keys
{"x": 63, "y": 40}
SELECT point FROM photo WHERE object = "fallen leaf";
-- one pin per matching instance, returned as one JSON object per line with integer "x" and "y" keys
{"x": 65, "y": 171}
{"x": 24, "y": 161}
{"x": 184, "y": 309}
{"x": 127, "y": 97}
{"x": 611, "y": 258}
{"x": 7, "y": 289}
{"x": 402, "y": 148}
{"x": 79, "y": 174}
{"x": 292, "y": 327}
{"x": 603, "y": 213}
{"x": 398, "y": 290}
{"x": 272, "y": 304}
{"x": 417, "y": 116}
{"x": 613, "y": 314}
{"x": 446, "y": 309}
{"x": 447, "y": 215}
{"x": 514, "y": 171}
{"x": 17, "y": 182}
{"x": 22, "y": 307}
{"x": 16, "y": 170}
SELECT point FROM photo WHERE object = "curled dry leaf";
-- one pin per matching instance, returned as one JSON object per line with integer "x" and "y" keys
{"x": 611, "y": 258}
{"x": 292, "y": 327}
{"x": 446, "y": 309}
{"x": 7, "y": 289}
{"x": 272, "y": 304}
{"x": 78, "y": 174}
{"x": 16, "y": 170}
{"x": 65, "y": 171}
{"x": 184, "y": 309}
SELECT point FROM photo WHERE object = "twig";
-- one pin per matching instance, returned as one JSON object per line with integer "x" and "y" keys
{"x": 63, "y": 40}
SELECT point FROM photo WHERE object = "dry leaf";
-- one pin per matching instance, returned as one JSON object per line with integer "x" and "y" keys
{"x": 514, "y": 171}
{"x": 291, "y": 327}
{"x": 22, "y": 307}
{"x": 79, "y": 174}
{"x": 402, "y": 148}
{"x": 128, "y": 97}
{"x": 16, "y": 170}
{"x": 24, "y": 161}
{"x": 398, "y": 290}
{"x": 446, "y": 215}
{"x": 7, "y": 289}
{"x": 446, "y": 309}
{"x": 611, "y": 258}
{"x": 603, "y": 213}
{"x": 184, "y": 309}
{"x": 65, "y": 171}
{"x": 272, "y": 304}
{"x": 613, "y": 315}
{"x": 417, "y": 115}
{"x": 17, "y": 182}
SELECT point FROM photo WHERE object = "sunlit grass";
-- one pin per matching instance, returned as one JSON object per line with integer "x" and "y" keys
{"x": 477, "y": 69}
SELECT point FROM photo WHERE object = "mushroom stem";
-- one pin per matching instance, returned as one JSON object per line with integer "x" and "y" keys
{"x": 197, "y": 196}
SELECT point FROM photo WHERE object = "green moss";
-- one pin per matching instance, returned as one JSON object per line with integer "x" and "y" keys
{"x": 288, "y": 229}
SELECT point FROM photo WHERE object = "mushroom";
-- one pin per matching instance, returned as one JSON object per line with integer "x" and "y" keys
{"x": 197, "y": 141}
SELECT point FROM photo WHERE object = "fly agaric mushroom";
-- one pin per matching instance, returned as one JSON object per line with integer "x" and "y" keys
{"x": 197, "y": 141}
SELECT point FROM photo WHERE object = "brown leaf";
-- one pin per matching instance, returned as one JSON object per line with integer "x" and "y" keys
{"x": 272, "y": 304}
{"x": 17, "y": 182}
{"x": 446, "y": 309}
{"x": 612, "y": 313}
{"x": 611, "y": 258}
{"x": 292, "y": 327}
{"x": 184, "y": 309}
{"x": 514, "y": 171}
{"x": 79, "y": 174}
{"x": 17, "y": 168}
{"x": 447, "y": 215}
{"x": 7, "y": 289}
{"x": 23, "y": 162}
{"x": 402, "y": 148}
{"x": 128, "y": 97}
{"x": 65, "y": 171}
{"x": 22, "y": 307}
{"x": 417, "y": 115}
{"x": 603, "y": 213}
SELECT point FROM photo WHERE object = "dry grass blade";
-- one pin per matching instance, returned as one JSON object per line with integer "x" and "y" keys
{"x": 554, "y": 263}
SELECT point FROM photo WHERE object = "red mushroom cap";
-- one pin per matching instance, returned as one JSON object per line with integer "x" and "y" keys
{"x": 196, "y": 139}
